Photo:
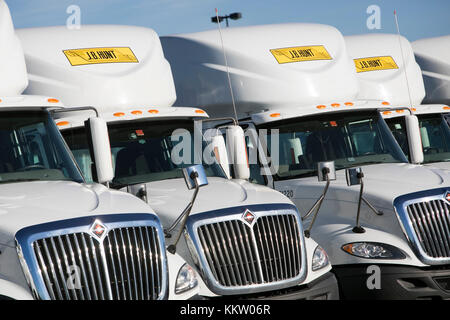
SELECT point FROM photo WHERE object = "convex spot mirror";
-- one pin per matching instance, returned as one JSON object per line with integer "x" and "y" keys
{"x": 354, "y": 176}
{"x": 195, "y": 176}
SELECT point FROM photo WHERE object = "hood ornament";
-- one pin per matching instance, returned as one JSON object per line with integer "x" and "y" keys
{"x": 98, "y": 230}
{"x": 249, "y": 217}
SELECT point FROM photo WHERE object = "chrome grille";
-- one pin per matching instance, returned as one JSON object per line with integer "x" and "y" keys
{"x": 64, "y": 260}
{"x": 425, "y": 217}
{"x": 431, "y": 223}
{"x": 238, "y": 255}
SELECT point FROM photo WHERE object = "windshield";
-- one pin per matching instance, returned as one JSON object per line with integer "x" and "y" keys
{"x": 141, "y": 150}
{"x": 350, "y": 139}
{"x": 32, "y": 149}
{"x": 435, "y": 134}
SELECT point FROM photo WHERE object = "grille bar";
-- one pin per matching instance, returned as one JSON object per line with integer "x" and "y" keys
{"x": 241, "y": 255}
{"x": 431, "y": 223}
{"x": 128, "y": 265}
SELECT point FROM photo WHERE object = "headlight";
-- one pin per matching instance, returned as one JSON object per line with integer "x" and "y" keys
{"x": 320, "y": 259}
{"x": 186, "y": 279}
{"x": 373, "y": 250}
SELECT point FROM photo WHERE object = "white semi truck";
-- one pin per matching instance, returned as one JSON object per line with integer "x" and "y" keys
{"x": 383, "y": 222}
{"x": 245, "y": 240}
{"x": 387, "y": 71}
{"x": 61, "y": 238}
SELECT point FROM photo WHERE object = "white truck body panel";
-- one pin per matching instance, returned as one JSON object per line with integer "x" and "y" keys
{"x": 259, "y": 82}
{"x": 401, "y": 86}
{"x": 389, "y": 84}
{"x": 12, "y": 63}
{"x": 126, "y": 84}
{"x": 433, "y": 56}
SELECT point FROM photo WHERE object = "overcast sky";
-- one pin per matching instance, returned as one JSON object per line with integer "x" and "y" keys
{"x": 418, "y": 18}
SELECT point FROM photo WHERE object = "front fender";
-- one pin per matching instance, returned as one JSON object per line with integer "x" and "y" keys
{"x": 10, "y": 290}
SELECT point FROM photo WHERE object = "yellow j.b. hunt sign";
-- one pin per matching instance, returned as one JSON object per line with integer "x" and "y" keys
{"x": 299, "y": 54}
{"x": 79, "y": 57}
{"x": 375, "y": 63}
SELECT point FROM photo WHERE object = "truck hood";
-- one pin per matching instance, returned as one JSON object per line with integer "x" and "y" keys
{"x": 382, "y": 183}
{"x": 169, "y": 197}
{"x": 30, "y": 203}
{"x": 440, "y": 165}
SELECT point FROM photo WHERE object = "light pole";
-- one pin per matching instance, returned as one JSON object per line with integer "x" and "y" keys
{"x": 232, "y": 16}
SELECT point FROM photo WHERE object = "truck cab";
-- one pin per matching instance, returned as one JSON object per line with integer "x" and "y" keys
{"x": 54, "y": 227}
{"x": 244, "y": 240}
{"x": 296, "y": 87}
{"x": 387, "y": 71}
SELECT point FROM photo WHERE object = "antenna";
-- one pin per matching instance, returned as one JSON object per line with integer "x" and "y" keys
{"x": 226, "y": 64}
{"x": 403, "y": 58}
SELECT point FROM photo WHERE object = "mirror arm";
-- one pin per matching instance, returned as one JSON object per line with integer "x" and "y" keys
{"x": 375, "y": 210}
{"x": 182, "y": 218}
{"x": 358, "y": 228}
{"x": 318, "y": 203}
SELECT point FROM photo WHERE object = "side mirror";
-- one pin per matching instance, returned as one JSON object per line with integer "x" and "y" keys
{"x": 195, "y": 176}
{"x": 354, "y": 176}
{"x": 325, "y": 169}
{"x": 101, "y": 149}
{"x": 414, "y": 139}
{"x": 237, "y": 151}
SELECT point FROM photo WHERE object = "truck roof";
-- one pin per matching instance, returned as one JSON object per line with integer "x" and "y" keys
{"x": 29, "y": 101}
{"x": 69, "y": 120}
{"x": 302, "y": 110}
{"x": 422, "y": 109}
{"x": 271, "y": 67}
{"x": 381, "y": 64}
{"x": 433, "y": 56}
{"x": 105, "y": 66}
{"x": 13, "y": 76}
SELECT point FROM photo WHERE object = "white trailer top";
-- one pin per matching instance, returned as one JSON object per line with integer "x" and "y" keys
{"x": 12, "y": 62}
{"x": 106, "y": 66}
{"x": 271, "y": 67}
{"x": 382, "y": 63}
{"x": 433, "y": 56}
